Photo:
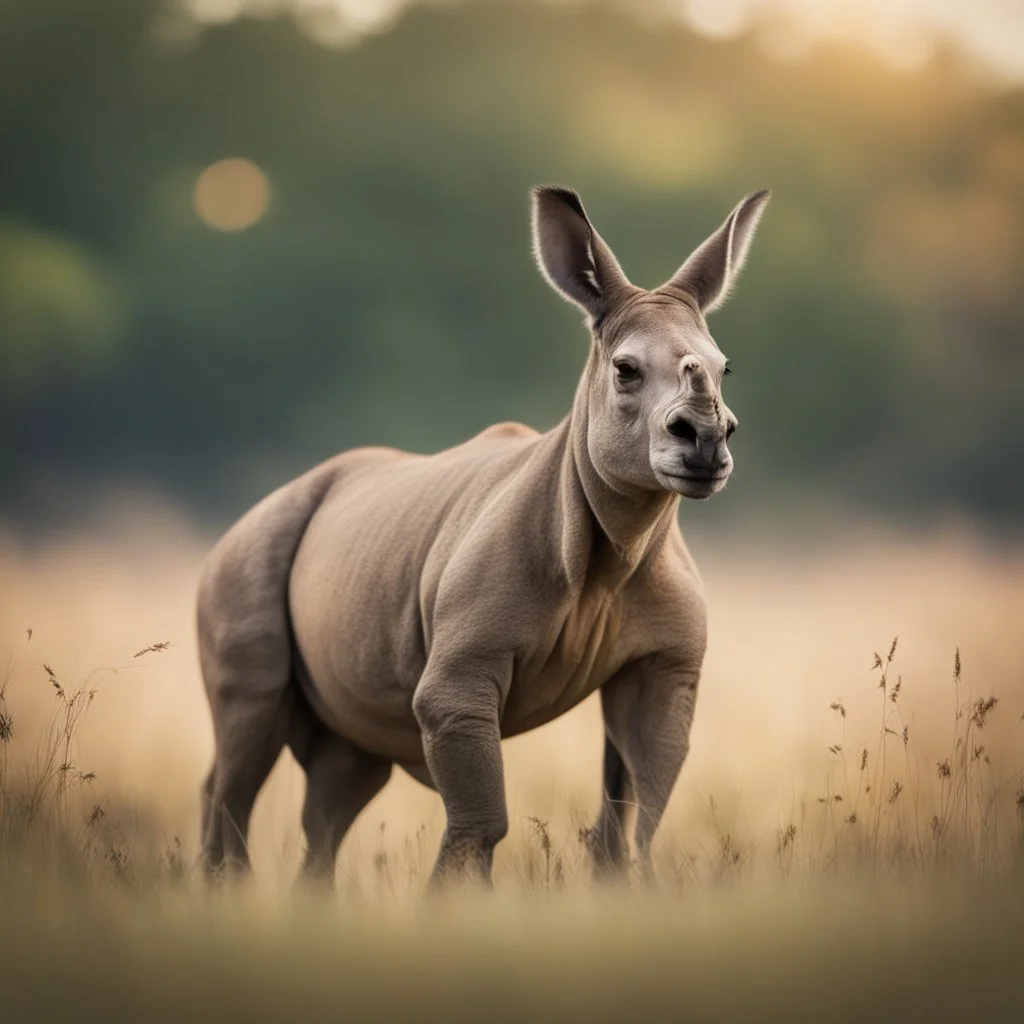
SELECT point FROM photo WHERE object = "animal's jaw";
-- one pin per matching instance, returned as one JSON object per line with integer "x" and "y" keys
{"x": 693, "y": 486}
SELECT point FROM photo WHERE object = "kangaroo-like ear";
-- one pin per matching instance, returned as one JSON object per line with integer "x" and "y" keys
{"x": 713, "y": 268}
{"x": 572, "y": 256}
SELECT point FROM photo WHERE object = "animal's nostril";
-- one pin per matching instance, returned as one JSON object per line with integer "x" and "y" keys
{"x": 730, "y": 430}
{"x": 682, "y": 428}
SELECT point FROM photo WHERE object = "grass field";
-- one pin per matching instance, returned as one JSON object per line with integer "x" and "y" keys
{"x": 845, "y": 840}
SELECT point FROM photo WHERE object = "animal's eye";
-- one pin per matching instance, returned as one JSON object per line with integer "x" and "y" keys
{"x": 626, "y": 370}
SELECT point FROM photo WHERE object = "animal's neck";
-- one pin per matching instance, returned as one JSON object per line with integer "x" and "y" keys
{"x": 602, "y": 519}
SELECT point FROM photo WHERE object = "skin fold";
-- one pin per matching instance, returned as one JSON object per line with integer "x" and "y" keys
{"x": 388, "y": 608}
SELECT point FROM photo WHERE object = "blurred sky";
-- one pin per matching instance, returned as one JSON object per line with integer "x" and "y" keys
{"x": 904, "y": 32}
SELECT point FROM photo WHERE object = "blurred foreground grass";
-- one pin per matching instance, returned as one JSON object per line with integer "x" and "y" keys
{"x": 813, "y": 952}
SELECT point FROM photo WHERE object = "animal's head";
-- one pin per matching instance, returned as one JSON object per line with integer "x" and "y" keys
{"x": 656, "y": 418}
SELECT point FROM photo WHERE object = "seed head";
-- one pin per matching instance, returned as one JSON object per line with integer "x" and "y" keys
{"x": 156, "y": 648}
{"x": 981, "y": 709}
{"x": 786, "y": 837}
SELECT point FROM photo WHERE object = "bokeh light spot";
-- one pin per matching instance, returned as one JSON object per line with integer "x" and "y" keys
{"x": 717, "y": 18}
{"x": 231, "y": 195}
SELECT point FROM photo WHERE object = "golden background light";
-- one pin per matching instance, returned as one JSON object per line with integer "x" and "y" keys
{"x": 231, "y": 195}
{"x": 904, "y": 32}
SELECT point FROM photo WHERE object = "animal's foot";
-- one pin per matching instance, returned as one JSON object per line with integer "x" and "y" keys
{"x": 462, "y": 863}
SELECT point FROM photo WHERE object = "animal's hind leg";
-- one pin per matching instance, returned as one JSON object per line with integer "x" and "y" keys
{"x": 250, "y": 727}
{"x": 341, "y": 780}
{"x": 245, "y": 648}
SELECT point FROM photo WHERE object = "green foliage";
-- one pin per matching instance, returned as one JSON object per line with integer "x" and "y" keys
{"x": 388, "y": 295}
{"x": 59, "y": 311}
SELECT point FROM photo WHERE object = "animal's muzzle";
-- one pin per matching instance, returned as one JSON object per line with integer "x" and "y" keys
{"x": 704, "y": 449}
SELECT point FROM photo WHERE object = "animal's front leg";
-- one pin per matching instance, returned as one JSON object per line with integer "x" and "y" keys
{"x": 648, "y": 709}
{"x": 458, "y": 709}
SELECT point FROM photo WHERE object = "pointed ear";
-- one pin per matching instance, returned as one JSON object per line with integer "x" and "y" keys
{"x": 713, "y": 268}
{"x": 571, "y": 255}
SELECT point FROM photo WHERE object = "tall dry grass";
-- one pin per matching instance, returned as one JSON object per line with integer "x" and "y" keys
{"x": 811, "y": 754}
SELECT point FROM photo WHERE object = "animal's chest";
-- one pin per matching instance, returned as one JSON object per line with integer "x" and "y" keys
{"x": 578, "y": 652}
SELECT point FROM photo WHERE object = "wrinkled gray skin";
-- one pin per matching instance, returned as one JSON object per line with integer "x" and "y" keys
{"x": 388, "y": 608}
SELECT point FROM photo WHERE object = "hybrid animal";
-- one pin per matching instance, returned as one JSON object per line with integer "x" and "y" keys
{"x": 391, "y": 609}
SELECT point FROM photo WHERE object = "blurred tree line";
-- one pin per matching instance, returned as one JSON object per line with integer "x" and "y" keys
{"x": 388, "y": 295}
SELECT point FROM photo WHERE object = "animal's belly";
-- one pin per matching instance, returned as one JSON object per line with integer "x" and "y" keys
{"x": 362, "y": 671}
{"x": 391, "y": 733}
{"x": 363, "y": 652}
